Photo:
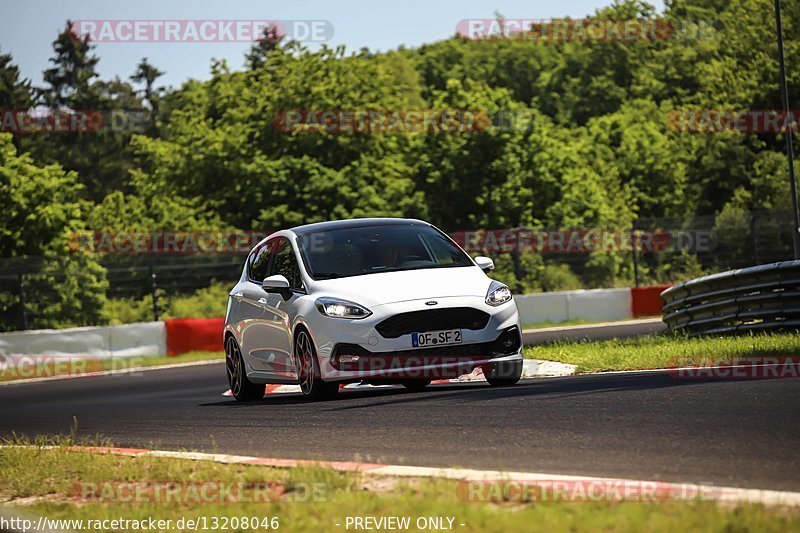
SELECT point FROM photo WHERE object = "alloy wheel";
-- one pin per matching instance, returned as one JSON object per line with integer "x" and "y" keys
{"x": 233, "y": 365}
{"x": 304, "y": 355}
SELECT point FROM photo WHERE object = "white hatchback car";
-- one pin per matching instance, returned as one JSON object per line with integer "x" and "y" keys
{"x": 368, "y": 300}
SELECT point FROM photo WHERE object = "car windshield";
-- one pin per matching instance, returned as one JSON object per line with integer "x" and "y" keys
{"x": 348, "y": 252}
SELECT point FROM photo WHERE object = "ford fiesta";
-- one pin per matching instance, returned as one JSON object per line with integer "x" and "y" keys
{"x": 368, "y": 300}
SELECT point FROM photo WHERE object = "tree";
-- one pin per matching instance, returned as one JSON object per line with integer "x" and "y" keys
{"x": 70, "y": 77}
{"x": 40, "y": 210}
{"x": 101, "y": 155}
{"x": 15, "y": 93}
{"x": 148, "y": 74}
{"x": 268, "y": 43}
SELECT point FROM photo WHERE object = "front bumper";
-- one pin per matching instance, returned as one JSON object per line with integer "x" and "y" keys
{"x": 352, "y": 350}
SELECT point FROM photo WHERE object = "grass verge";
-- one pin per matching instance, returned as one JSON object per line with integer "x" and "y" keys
{"x": 12, "y": 369}
{"x": 661, "y": 351}
{"x": 55, "y": 482}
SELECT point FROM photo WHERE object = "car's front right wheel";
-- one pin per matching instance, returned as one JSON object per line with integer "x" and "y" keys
{"x": 503, "y": 373}
{"x": 308, "y": 372}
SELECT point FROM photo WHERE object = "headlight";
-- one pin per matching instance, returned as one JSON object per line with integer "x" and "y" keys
{"x": 498, "y": 294}
{"x": 336, "y": 308}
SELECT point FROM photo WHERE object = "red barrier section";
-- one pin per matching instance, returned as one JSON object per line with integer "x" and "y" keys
{"x": 645, "y": 301}
{"x": 190, "y": 334}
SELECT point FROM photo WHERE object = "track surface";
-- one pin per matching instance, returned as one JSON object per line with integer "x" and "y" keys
{"x": 643, "y": 426}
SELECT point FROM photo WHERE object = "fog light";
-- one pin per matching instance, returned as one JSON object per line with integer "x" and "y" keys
{"x": 508, "y": 341}
{"x": 348, "y": 358}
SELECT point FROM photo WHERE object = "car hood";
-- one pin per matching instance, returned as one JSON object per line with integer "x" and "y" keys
{"x": 390, "y": 287}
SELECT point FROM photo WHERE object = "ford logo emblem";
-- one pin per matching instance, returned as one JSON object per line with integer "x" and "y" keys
{"x": 432, "y": 302}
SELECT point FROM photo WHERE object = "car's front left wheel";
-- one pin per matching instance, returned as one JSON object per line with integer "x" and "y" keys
{"x": 242, "y": 388}
{"x": 308, "y": 372}
{"x": 503, "y": 373}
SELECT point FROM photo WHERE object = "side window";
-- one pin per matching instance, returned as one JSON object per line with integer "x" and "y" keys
{"x": 259, "y": 261}
{"x": 286, "y": 264}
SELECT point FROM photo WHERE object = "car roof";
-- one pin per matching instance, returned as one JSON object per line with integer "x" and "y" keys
{"x": 355, "y": 223}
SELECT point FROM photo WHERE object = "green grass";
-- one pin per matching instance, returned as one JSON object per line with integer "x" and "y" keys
{"x": 13, "y": 371}
{"x": 50, "y": 482}
{"x": 660, "y": 351}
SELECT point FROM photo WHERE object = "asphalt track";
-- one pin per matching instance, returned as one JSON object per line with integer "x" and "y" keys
{"x": 652, "y": 426}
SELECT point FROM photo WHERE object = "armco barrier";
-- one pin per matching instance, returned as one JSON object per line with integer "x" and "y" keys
{"x": 190, "y": 334}
{"x": 142, "y": 339}
{"x": 761, "y": 298}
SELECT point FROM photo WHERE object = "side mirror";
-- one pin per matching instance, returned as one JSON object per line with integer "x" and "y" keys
{"x": 277, "y": 284}
{"x": 484, "y": 263}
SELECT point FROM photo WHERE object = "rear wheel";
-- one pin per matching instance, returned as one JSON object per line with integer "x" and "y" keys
{"x": 308, "y": 373}
{"x": 503, "y": 373}
{"x": 416, "y": 384}
{"x": 242, "y": 388}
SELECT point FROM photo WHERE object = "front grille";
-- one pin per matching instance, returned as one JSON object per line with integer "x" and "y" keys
{"x": 508, "y": 342}
{"x": 441, "y": 355}
{"x": 432, "y": 320}
{"x": 454, "y": 350}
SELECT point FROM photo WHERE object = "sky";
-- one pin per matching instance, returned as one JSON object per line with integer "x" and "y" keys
{"x": 28, "y": 27}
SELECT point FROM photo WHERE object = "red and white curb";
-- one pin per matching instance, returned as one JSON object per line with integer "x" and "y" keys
{"x": 709, "y": 492}
{"x": 531, "y": 368}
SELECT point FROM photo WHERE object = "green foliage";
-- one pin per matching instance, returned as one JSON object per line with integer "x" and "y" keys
{"x": 128, "y": 310}
{"x": 558, "y": 277}
{"x": 39, "y": 208}
{"x": 204, "y": 303}
{"x": 208, "y": 302}
{"x": 15, "y": 93}
{"x": 577, "y": 135}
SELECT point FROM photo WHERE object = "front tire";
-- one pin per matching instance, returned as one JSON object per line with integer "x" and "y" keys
{"x": 503, "y": 373}
{"x": 308, "y": 372}
{"x": 416, "y": 384}
{"x": 242, "y": 388}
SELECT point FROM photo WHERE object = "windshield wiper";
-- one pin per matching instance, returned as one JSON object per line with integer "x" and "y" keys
{"x": 326, "y": 275}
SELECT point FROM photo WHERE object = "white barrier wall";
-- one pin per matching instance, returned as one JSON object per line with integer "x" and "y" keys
{"x": 142, "y": 339}
{"x": 150, "y": 338}
{"x": 595, "y": 305}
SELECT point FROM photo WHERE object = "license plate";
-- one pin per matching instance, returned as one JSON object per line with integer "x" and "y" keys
{"x": 436, "y": 338}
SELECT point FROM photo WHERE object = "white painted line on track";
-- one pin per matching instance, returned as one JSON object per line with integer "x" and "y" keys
{"x": 109, "y": 372}
{"x": 572, "y": 327}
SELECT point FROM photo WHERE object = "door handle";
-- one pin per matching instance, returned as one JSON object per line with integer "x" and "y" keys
{"x": 238, "y": 296}
{"x": 262, "y": 301}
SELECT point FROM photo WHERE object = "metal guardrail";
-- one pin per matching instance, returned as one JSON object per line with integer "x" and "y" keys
{"x": 760, "y": 298}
